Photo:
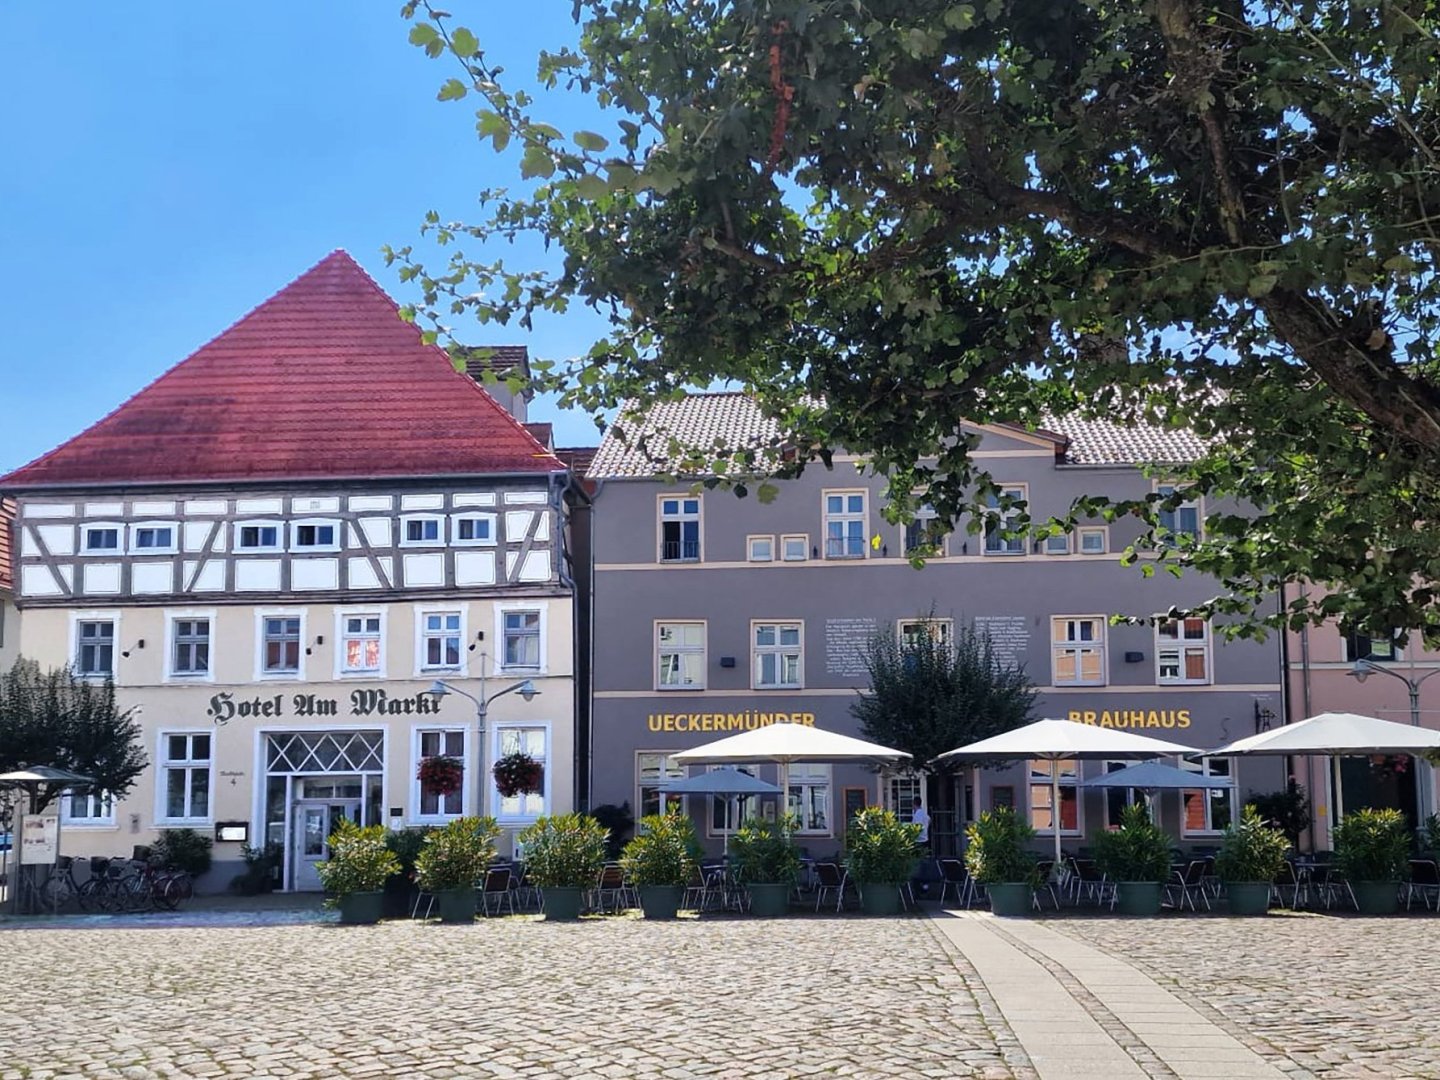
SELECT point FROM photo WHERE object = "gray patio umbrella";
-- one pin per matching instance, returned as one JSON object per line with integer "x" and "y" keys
{"x": 1155, "y": 776}
{"x": 730, "y": 782}
{"x": 31, "y": 778}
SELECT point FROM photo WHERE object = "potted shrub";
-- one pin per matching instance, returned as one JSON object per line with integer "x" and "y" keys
{"x": 660, "y": 860}
{"x": 767, "y": 863}
{"x": 356, "y": 870}
{"x": 261, "y": 864}
{"x": 998, "y": 856}
{"x": 400, "y": 888}
{"x": 563, "y": 856}
{"x": 452, "y": 861}
{"x": 881, "y": 854}
{"x": 1136, "y": 856}
{"x": 1373, "y": 850}
{"x": 1252, "y": 852}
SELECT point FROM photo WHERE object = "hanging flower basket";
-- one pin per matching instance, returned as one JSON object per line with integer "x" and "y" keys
{"x": 518, "y": 774}
{"x": 441, "y": 774}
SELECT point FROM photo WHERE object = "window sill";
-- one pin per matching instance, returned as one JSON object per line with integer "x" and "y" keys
{"x": 184, "y": 823}
{"x": 362, "y": 674}
{"x": 1079, "y": 685}
{"x": 90, "y": 826}
{"x": 1184, "y": 682}
{"x": 785, "y": 686}
{"x": 690, "y": 688}
{"x": 677, "y": 562}
{"x": 186, "y": 677}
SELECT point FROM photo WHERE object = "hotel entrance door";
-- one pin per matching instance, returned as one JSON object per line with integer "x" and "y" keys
{"x": 314, "y": 820}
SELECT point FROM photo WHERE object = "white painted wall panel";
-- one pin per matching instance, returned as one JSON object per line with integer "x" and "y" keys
{"x": 257, "y": 575}
{"x": 60, "y": 539}
{"x": 212, "y": 577}
{"x": 49, "y": 510}
{"x": 155, "y": 578}
{"x": 205, "y": 507}
{"x": 424, "y": 571}
{"x": 38, "y": 581}
{"x": 102, "y": 579}
{"x": 104, "y": 509}
{"x": 537, "y": 566}
{"x": 474, "y": 568}
{"x": 520, "y": 498}
{"x": 485, "y": 498}
{"x": 362, "y": 575}
{"x": 371, "y": 502}
{"x": 153, "y": 509}
{"x": 323, "y": 504}
{"x": 259, "y": 506}
{"x": 516, "y": 522}
{"x": 315, "y": 574}
{"x": 195, "y": 532}
{"x": 422, "y": 502}
{"x": 377, "y": 531}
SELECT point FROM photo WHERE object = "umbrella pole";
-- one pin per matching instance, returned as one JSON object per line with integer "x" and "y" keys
{"x": 1055, "y": 809}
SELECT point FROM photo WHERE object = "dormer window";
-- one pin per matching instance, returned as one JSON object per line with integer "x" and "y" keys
{"x": 422, "y": 531}
{"x": 313, "y": 536}
{"x": 152, "y": 539}
{"x": 473, "y": 529}
{"x": 257, "y": 536}
{"x": 102, "y": 539}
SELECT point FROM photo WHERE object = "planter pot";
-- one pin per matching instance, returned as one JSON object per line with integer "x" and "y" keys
{"x": 562, "y": 903}
{"x": 1137, "y": 898}
{"x": 1248, "y": 897}
{"x": 1377, "y": 897}
{"x": 661, "y": 901}
{"x": 769, "y": 901}
{"x": 880, "y": 898}
{"x": 1009, "y": 898}
{"x": 361, "y": 908}
{"x": 456, "y": 905}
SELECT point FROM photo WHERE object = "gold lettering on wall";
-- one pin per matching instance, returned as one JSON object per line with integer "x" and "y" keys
{"x": 725, "y": 722}
{"x": 1133, "y": 718}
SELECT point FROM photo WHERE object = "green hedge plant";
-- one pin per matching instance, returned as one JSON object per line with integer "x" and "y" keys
{"x": 1373, "y": 845}
{"x": 565, "y": 851}
{"x": 764, "y": 852}
{"x": 1251, "y": 849}
{"x": 456, "y": 855}
{"x": 1138, "y": 850}
{"x": 665, "y": 851}
{"x": 879, "y": 848}
{"x": 997, "y": 849}
{"x": 182, "y": 849}
{"x": 359, "y": 860}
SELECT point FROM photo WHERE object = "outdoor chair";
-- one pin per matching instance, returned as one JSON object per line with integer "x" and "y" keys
{"x": 1088, "y": 880}
{"x": 424, "y": 905}
{"x": 1187, "y": 885}
{"x": 495, "y": 890}
{"x": 1287, "y": 878}
{"x": 1424, "y": 880}
{"x": 954, "y": 876}
{"x": 700, "y": 895}
{"x": 1046, "y": 868}
{"x": 612, "y": 893}
{"x": 525, "y": 892}
{"x": 831, "y": 880}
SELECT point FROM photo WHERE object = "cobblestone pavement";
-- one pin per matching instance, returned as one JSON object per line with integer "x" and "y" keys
{"x": 1336, "y": 996}
{"x": 513, "y": 998}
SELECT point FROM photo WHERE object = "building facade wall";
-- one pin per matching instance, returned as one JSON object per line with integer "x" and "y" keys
{"x": 839, "y": 603}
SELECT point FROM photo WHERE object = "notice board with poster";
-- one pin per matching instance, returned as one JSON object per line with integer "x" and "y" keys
{"x": 39, "y": 840}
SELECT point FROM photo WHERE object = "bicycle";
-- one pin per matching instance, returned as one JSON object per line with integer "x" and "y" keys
{"x": 60, "y": 888}
{"x": 148, "y": 887}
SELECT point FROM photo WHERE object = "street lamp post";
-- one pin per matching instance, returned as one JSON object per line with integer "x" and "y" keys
{"x": 525, "y": 688}
{"x": 1362, "y": 670}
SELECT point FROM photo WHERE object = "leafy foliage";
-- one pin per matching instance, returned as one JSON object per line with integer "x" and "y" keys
{"x": 928, "y": 696}
{"x": 879, "y": 847}
{"x": 664, "y": 852}
{"x": 765, "y": 853}
{"x": 1190, "y": 212}
{"x": 997, "y": 849}
{"x": 1373, "y": 845}
{"x": 518, "y": 774}
{"x": 564, "y": 851}
{"x": 56, "y": 718}
{"x": 618, "y": 821}
{"x": 261, "y": 863}
{"x": 1251, "y": 849}
{"x": 407, "y": 845}
{"x": 1288, "y": 810}
{"x": 1138, "y": 850}
{"x": 455, "y": 856}
{"x": 359, "y": 860}
{"x": 182, "y": 849}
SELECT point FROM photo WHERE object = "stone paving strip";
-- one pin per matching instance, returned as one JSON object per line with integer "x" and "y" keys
{"x": 511, "y": 998}
{"x": 1332, "y": 996}
{"x": 1079, "y": 1012}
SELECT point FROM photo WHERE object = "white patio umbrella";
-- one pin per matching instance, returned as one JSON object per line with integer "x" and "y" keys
{"x": 1058, "y": 740}
{"x": 787, "y": 743}
{"x": 1337, "y": 735}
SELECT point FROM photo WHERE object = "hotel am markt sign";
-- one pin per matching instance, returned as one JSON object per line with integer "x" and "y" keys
{"x": 224, "y": 707}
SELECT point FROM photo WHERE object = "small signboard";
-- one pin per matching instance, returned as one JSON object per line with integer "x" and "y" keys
{"x": 39, "y": 840}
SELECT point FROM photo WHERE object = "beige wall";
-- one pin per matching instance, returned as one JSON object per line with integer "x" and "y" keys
{"x": 9, "y": 632}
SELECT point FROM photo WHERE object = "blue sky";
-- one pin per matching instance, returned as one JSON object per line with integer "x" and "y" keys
{"x": 167, "y": 167}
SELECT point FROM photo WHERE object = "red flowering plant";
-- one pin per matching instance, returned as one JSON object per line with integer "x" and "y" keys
{"x": 441, "y": 774}
{"x": 518, "y": 774}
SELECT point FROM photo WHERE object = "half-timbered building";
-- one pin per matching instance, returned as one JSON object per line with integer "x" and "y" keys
{"x": 274, "y": 550}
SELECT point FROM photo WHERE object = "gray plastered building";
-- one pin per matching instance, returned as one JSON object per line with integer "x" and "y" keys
{"x": 715, "y": 614}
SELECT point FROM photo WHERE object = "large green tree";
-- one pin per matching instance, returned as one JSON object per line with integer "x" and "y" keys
{"x": 57, "y": 719}
{"x": 882, "y": 216}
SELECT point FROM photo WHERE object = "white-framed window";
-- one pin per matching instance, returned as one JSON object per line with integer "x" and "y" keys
{"x": 1182, "y": 651}
{"x": 1077, "y": 650}
{"x": 186, "y": 761}
{"x": 807, "y": 796}
{"x": 778, "y": 651}
{"x": 362, "y": 643}
{"x": 95, "y": 645}
{"x": 154, "y": 538}
{"x": 431, "y": 807}
{"x": 440, "y": 639}
{"x": 1382, "y": 649}
{"x": 315, "y": 535}
{"x": 1206, "y": 811}
{"x": 522, "y": 639}
{"x": 925, "y": 533}
{"x": 679, "y": 656}
{"x": 760, "y": 548}
{"x": 534, "y": 740}
{"x": 258, "y": 535}
{"x": 1184, "y": 520}
{"x": 281, "y": 639}
{"x": 917, "y": 631}
{"x": 1041, "y": 817}
{"x": 1092, "y": 539}
{"x": 101, "y": 538}
{"x": 188, "y": 648}
{"x": 1057, "y": 544}
{"x": 82, "y": 808}
{"x": 653, "y": 768}
{"x": 846, "y": 524}
{"x": 422, "y": 530}
{"x": 680, "y": 528}
{"x": 794, "y": 547}
{"x": 1000, "y": 520}
{"x": 728, "y": 814}
{"x": 472, "y": 530}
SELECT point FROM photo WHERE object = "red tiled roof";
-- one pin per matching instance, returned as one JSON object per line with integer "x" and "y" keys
{"x": 323, "y": 380}
{"x": 7, "y": 523}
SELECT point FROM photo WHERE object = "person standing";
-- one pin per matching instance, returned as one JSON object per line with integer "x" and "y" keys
{"x": 919, "y": 816}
